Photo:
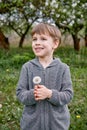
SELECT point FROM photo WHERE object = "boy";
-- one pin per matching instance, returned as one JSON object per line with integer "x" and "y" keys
{"x": 45, "y": 102}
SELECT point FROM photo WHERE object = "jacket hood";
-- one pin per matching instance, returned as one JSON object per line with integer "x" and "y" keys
{"x": 52, "y": 64}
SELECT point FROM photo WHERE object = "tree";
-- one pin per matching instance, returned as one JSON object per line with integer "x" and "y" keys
{"x": 20, "y": 16}
{"x": 71, "y": 18}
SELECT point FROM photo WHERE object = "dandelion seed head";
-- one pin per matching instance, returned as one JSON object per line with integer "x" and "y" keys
{"x": 36, "y": 80}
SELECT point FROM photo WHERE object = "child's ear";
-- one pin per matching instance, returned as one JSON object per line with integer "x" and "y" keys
{"x": 56, "y": 44}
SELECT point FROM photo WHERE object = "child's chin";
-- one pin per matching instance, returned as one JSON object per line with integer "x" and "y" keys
{"x": 39, "y": 56}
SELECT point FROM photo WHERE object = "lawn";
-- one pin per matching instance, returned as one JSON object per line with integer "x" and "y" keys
{"x": 10, "y": 65}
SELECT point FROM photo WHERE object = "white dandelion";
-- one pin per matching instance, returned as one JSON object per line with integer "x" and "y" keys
{"x": 36, "y": 80}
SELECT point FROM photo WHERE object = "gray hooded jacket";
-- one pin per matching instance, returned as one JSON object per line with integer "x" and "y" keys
{"x": 48, "y": 114}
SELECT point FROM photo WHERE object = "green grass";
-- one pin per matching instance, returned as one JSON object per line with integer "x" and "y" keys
{"x": 10, "y": 65}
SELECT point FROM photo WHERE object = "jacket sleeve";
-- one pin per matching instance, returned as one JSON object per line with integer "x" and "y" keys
{"x": 24, "y": 95}
{"x": 63, "y": 96}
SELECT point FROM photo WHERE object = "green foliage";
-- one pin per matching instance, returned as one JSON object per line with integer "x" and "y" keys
{"x": 10, "y": 65}
{"x": 15, "y": 58}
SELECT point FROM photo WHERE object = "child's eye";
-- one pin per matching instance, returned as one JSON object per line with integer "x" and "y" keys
{"x": 34, "y": 39}
{"x": 43, "y": 39}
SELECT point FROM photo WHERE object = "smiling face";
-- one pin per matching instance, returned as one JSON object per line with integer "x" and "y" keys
{"x": 45, "y": 39}
{"x": 43, "y": 45}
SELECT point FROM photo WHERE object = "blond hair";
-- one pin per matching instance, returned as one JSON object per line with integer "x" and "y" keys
{"x": 45, "y": 28}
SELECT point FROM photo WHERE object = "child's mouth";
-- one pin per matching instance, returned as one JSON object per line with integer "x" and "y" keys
{"x": 39, "y": 49}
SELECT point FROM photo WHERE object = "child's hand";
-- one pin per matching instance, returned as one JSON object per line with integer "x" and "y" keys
{"x": 41, "y": 92}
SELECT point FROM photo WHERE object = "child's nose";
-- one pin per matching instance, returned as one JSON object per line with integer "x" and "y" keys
{"x": 38, "y": 42}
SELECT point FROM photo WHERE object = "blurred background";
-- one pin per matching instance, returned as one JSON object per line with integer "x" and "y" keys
{"x": 16, "y": 20}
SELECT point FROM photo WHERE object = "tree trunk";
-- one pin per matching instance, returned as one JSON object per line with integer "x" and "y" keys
{"x": 21, "y": 41}
{"x": 23, "y": 37}
{"x": 4, "y": 43}
{"x": 86, "y": 40}
{"x": 76, "y": 42}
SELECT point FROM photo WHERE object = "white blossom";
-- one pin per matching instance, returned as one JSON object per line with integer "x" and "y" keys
{"x": 0, "y": 105}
